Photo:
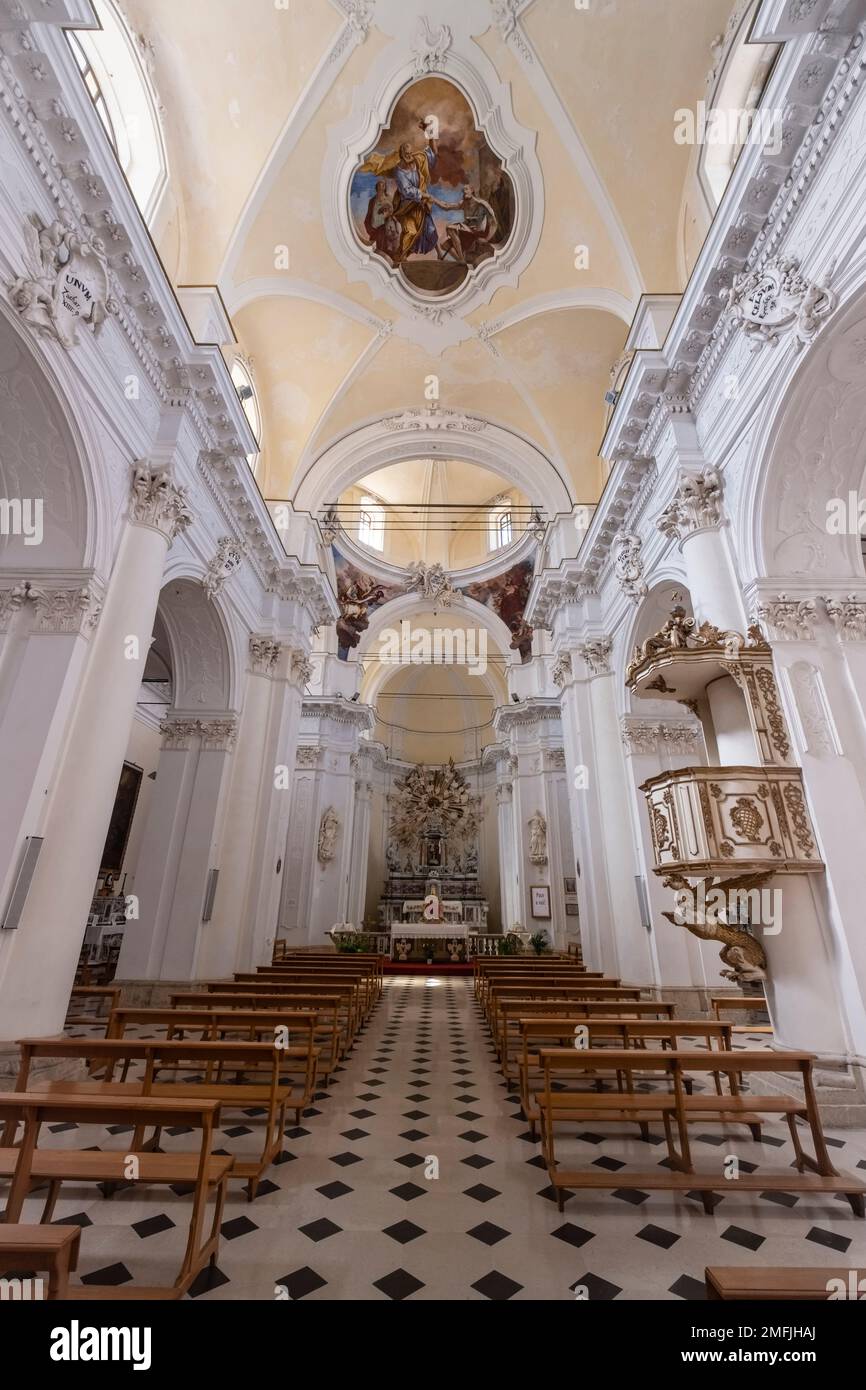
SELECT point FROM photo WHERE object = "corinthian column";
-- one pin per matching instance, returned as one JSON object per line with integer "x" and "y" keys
{"x": 695, "y": 518}
{"x": 38, "y": 960}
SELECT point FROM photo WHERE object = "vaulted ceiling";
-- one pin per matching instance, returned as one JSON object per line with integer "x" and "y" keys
{"x": 252, "y": 93}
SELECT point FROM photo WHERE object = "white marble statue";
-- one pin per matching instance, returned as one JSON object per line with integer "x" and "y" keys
{"x": 328, "y": 835}
{"x": 538, "y": 839}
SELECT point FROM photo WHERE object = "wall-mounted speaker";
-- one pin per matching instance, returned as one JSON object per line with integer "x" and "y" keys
{"x": 32, "y": 849}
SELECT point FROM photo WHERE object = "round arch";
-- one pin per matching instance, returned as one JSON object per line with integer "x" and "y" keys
{"x": 809, "y": 453}
{"x": 392, "y": 613}
{"x": 379, "y": 443}
{"x": 50, "y": 454}
{"x": 204, "y": 658}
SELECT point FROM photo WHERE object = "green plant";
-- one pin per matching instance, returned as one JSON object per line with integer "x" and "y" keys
{"x": 508, "y": 945}
{"x": 539, "y": 943}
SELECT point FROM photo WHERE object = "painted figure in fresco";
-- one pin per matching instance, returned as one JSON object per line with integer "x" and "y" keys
{"x": 413, "y": 202}
{"x": 354, "y": 600}
{"x": 469, "y": 241}
{"x": 380, "y": 223}
{"x": 501, "y": 199}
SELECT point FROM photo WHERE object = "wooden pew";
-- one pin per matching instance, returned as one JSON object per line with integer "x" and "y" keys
{"x": 53, "y": 1249}
{"x": 212, "y": 1057}
{"x": 510, "y": 1011}
{"x": 251, "y": 1024}
{"x": 349, "y": 990}
{"x": 543, "y": 990}
{"x": 677, "y": 1109}
{"x": 373, "y": 961}
{"x": 367, "y": 982}
{"x": 548, "y": 1032}
{"x": 755, "y": 1004}
{"x": 28, "y": 1164}
{"x": 338, "y": 1000}
{"x": 790, "y": 1284}
{"x": 107, "y": 997}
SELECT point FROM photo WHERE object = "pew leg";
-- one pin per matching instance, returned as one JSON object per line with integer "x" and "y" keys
{"x": 643, "y": 1126}
{"x": 755, "y": 1131}
{"x": 857, "y": 1203}
{"x": 51, "y": 1201}
{"x": 707, "y": 1201}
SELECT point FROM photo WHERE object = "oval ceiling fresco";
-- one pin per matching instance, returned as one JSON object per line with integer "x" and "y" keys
{"x": 432, "y": 199}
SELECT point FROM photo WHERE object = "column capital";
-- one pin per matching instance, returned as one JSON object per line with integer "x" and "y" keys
{"x": 596, "y": 655}
{"x": 848, "y": 616}
{"x": 695, "y": 506}
{"x": 787, "y": 619}
{"x": 216, "y": 735}
{"x": 264, "y": 654}
{"x": 158, "y": 502}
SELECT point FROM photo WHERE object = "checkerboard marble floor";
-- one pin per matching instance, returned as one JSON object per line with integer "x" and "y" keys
{"x": 352, "y": 1209}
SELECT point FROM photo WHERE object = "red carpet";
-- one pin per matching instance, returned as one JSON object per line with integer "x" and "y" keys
{"x": 418, "y": 967}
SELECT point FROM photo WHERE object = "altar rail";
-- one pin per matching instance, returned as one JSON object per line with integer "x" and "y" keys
{"x": 478, "y": 944}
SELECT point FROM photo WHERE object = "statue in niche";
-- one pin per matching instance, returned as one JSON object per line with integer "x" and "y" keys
{"x": 471, "y": 865}
{"x": 392, "y": 859}
{"x": 328, "y": 828}
{"x": 538, "y": 839}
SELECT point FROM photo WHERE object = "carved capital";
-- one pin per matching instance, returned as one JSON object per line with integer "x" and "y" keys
{"x": 695, "y": 506}
{"x": 562, "y": 669}
{"x": 301, "y": 668}
{"x": 12, "y": 600}
{"x": 264, "y": 655}
{"x": 848, "y": 616}
{"x": 788, "y": 619}
{"x": 628, "y": 565}
{"x": 66, "y": 610}
{"x": 215, "y": 735}
{"x": 596, "y": 655}
{"x": 307, "y": 755}
{"x": 158, "y": 503}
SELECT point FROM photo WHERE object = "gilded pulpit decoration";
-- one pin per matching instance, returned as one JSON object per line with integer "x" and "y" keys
{"x": 707, "y": 908}
{"x": 328, "y": 828}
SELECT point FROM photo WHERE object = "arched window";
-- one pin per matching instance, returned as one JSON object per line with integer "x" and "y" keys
{"x": 243, "y": 383}
{"x": 371, "y": 523}
{"x": 733, "y": 117}
{"x": 500, "y": 524}
{"x": 120, "y": 89}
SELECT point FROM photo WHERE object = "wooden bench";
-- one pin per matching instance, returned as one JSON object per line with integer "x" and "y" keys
{"x": 31, "y": 1249}
{"x": 739, "y": 1003}
{"x": 791, "y": 1284}
{"x": 250, "y": 1024}
{"x": 373, "y": 962}
{"x": 366, "y": 983}
{"x": 29, "y": 1165}
{"x": 212, "y": 1057}
{"x": 564, "y": 993}
{"x": 509, "y": 1011}
{"x": 621, "y": 1033}
{"x": 107, "y": 997}
{"x": 348, "y": 992}
{"x": 676, "y": 1109}
{"x": 333, "y": 1006}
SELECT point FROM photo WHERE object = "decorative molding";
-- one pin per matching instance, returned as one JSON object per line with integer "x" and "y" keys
{"x": 12, "y": 600}
{"x": 228, "y": 558}
{"x": 301, "y": 668}
{"x": 645, "y": 736}
{"x": 848, "y": 616}
{"x": 430, "y": 47}
{"x": 819, "y": 734}
{"x": 307, "y": 755}
{"x": 431, "y": 582}
{"x": 787, "y": 619}
{"x": 562, "y": 670}
{"x": 158, "y": 503}
{"x": 534, "y": 711}
{"x": 628, "y": 566}
{"x": 340, "y": 711}
{"x": 596, "y": 655}
{"x": 215, "y": 735}
{"x": 775, "y": 300}
{"x": 66, "y": 284}
{"x": 695, "y": 506}
{"x": 434, "y": 417}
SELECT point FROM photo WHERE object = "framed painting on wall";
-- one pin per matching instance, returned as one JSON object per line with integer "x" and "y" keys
{"x": 540, "y": 901}
{"x": 121, "y": 819}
